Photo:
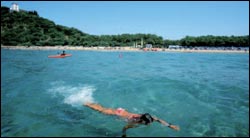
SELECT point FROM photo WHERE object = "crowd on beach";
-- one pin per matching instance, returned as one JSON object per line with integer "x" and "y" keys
{"x": 100, "y": 48}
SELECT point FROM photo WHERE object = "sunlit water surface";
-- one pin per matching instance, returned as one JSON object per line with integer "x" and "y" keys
{"x": 206, "y": 94}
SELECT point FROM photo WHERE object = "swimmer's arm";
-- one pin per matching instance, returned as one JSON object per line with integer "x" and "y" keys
{"x": 127, "y": 127}
{"x": 100, "y": 108}
{"x": 166, "y": 124}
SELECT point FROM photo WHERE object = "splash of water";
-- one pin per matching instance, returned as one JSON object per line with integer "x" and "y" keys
{"x": 73, "y": 95}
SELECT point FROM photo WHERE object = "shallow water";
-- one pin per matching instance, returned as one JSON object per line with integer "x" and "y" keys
{"x": 206, "y": 94}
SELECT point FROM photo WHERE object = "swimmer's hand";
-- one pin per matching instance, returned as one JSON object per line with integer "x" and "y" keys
{"x": 174, "y": 127}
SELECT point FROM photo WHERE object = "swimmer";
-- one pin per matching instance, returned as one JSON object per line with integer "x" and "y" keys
{"x": 133, "y": 119}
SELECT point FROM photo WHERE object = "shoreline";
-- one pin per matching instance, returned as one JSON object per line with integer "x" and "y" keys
{"x": 121, "y": 49}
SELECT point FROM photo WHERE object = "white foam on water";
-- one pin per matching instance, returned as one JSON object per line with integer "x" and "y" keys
{"x": 73, "y": 95}
{"x": 82, "y": 96}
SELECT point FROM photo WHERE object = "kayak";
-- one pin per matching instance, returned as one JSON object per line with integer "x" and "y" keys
{"x": 59, "y": 56}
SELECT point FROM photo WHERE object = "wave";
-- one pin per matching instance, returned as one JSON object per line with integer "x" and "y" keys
{"x": 73, "y": 95}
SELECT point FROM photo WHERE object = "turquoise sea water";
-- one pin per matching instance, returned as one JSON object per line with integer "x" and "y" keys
{"x": 206, "y": 94}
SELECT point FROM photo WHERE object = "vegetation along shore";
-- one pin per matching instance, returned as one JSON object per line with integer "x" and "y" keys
{"x": 27, "y": 30}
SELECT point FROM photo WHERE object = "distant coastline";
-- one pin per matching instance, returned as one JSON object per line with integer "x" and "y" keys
{"x": 187, "y": 50}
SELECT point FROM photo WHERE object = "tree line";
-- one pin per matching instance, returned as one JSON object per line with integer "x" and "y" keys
{"x": 27, "y": 28}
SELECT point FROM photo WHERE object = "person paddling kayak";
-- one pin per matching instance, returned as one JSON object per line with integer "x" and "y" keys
{"x": 63, "y": 53}
{"x": 133, "y": 119}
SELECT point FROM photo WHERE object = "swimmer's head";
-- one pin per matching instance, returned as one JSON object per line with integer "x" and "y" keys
{"x": 146, "y": 119}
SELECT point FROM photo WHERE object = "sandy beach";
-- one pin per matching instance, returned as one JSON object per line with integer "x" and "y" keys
{"x": 120, "y": 49}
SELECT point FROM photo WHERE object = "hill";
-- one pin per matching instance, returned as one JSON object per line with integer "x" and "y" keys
{"x": 26, "y": 28}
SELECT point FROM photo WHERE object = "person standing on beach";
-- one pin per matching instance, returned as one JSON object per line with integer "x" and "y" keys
{"x": 133, "y": 119}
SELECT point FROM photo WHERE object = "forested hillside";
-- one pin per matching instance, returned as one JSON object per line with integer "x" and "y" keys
{"x": 27, "y": 28}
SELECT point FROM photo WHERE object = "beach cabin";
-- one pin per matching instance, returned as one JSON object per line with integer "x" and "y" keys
{"x": 149, "y": 46}
{"x": 174, "y": 47}
{"x": 14, "y": 7}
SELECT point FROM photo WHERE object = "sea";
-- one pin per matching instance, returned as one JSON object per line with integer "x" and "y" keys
{"x": 205, "y": 94}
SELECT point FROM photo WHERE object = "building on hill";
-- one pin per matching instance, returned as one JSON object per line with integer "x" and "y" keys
{"x": 14, "y": 7}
